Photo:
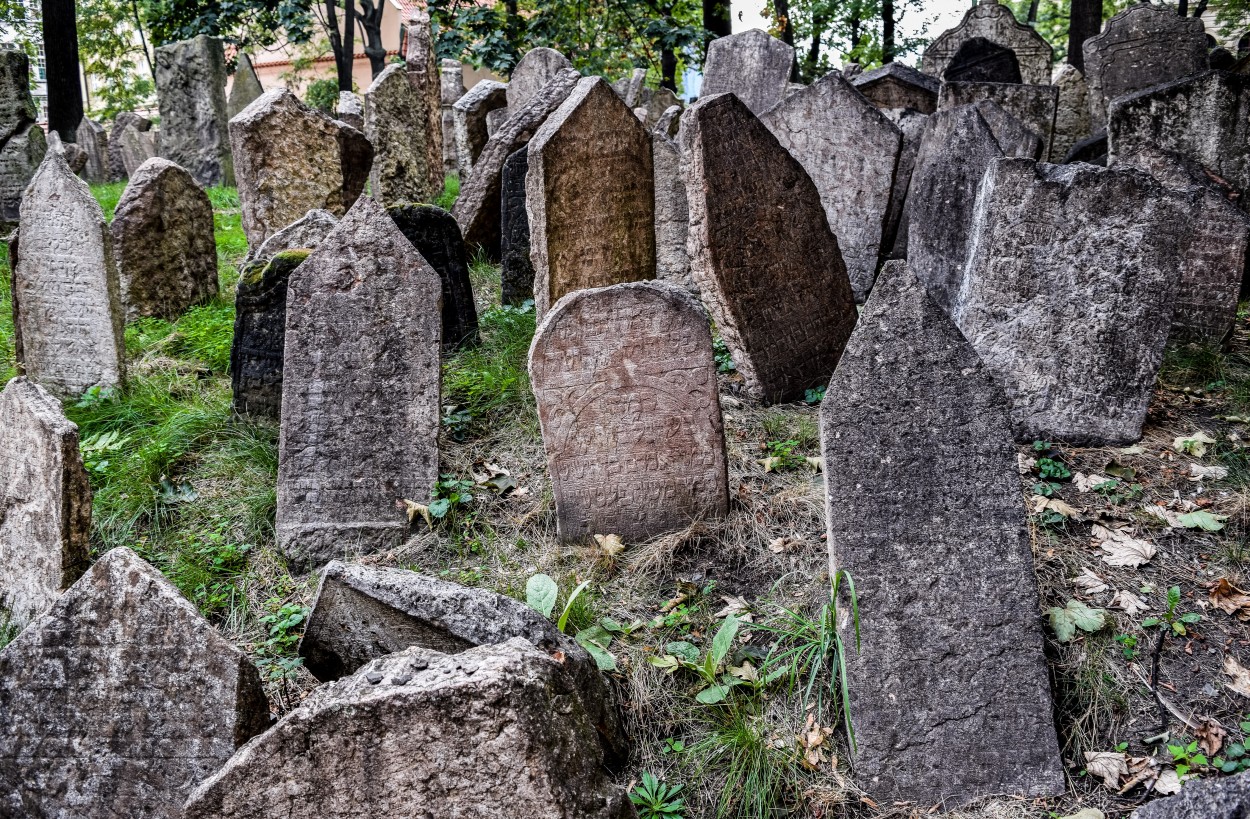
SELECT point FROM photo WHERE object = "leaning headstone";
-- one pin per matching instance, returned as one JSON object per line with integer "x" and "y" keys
{"x": 351, "y": 109}
{"x": 538, "y": 67}
{"x": 245, "y": 89}
{"x": 895, "y": 85}
{"x": 761, "y": 251}
{"x": 451, "y": 88}
{"x": 912, "y": 125}
{"x": 355, "y": 350}
{"x": 989, "y": 20}
{"x": 1071, "y": 111}
{"x": 1033, "y": 105}
{"x": 163, "y": 242}
{"x": 259, "y": 341}
{"x": 1069, "y": 310}
{"x": 191, "y": 86}
{"x": 94, "y": 140}
{"x": 46, "y": 526}
{"x": 495, "y": 120}
{"x": 117, "y": 161}
{"x": 1143, "y": 46}
{"x": 972, "y": 697}
{"x": 672, "y": 215}
{"x": 426, "y": 134}
{"x": 74, "y": 154}
{"x": 436, "y": 236}
{"x": 66, "y": 304}
{"x": 1227, "y": 797}
{"x": 752, "y": 65}
{"x": 120, "y": 699}
{"x": 516, "y": 270}
{"x": 307, "y": 233}
{"x": 625, "y": 382}
{"x": 590, "y": 196}
{"x": 1092, "y": 150}
{"x": 395, "y": 123}
{"x": 24, "y": 144}
{"x": 396, "y": 731}
{"x": 469, "y": 118}
{"x": 979, "y": 60}
{"x": 850, "y": 150}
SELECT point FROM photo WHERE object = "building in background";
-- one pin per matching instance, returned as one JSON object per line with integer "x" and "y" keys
{"x": 33, "y": 34}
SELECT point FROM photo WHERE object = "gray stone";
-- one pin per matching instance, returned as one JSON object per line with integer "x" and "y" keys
{"x": 46, "y": 526}
{"x": 1032, "y": 105}
{"x": 949, "y": 693}
{"x": 1092, "y": 150}
{"x": 496, "y": 119}
{"x": 395, "y": 122}
{"x": 351, "y": 109}
{"x": 1067, "y": 306}
{"x": 245, "y": 89}
{"x": 258, "y": 345}
{"x": 451, "y": 89}
{"x": 1142, "y": 46}
{"x": 590, "y": 196}
{"x": 1071, "y": 111}
{"x": 291, "y": 159}
{"x": 994, "y": 22}
{"x": 911, "y": 124}
{"x": 75, "y": 156}
{"x": 133, "y": 147}
{"x": 67, "y": 312}
{"x": 1222, "y": 798}
{"x": 752, "y": 65}
{"x": 669, "y": 122}
{"x": 305, "y": 233}
{"x": 93, "y": 139}
{"x": 895, "y": 85}
{"x": 495, "y": 732}
{"x": 672, "y": 215}
{"x": 117, "y": 160}
{"x": 163, "y": 242}
{"x": 469, "y": 118}
{"x": 120, "y": 699}
{"x": 427, "y": 119}
{"x": 656, "y": 103}
{"x": 516, "y": 271}
{"x": 354, "y": 350}
{"x": 191, "y": 86}
{"x": 634, "y": 88}
{"x": 850, "y": 150}
{"x": 17, "y": 107}
{"x": 22, "y": 142}
{"x": 979, "y": 60}
{"x": 436, "y": 236}
{"x": 538, "y": 67}
{"x": 761, "y": 251}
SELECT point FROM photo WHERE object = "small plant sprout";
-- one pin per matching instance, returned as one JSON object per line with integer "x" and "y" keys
{"x": 715, "y": 685}
{"x": 1171, "y": 618}
{"x": 1050, "y": 465}
{"x": 541, "y": 593}
{"x": 656, "y": 800}
{"x": 1186, "y": 758}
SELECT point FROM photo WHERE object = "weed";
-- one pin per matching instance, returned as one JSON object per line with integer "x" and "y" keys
{"x": 1235, "y": 758}
{"x": 451, "y": 191}
{"x": 1186, "y": 758}
{"x": 1050, "y": 463}
{"x": 108, "y": 195}
{"x": 755, "y": 766}
{"x": 1193, "y": 366}
{"x": 814, "y": 396}
{"x": 1171, "y": 616}
{"x": 782, "y": 457}
{"x": 8, "y": 628}
{"x": 490, "y": 382}
{"x": 672, "y": 745}
{"x": 450, "y": 496}
{"x": 714, "y": 685}
{"x": 1117, "y": 492}
{"x": 1128, "y": 645}
{"x": 720, "y": 353}
{"x": 656, "y": 800}
{"x": 283, "y": 628}
{"x": 541, "y": 593}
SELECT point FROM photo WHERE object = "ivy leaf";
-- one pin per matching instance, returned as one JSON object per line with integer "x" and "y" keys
{"x": 540, "y": 592}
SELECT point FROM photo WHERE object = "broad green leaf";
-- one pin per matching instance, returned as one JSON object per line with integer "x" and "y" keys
{"x": 1085, "y": 618}
{"x": 1202, "y": 519}
{"x": 724, "y": 639}
{"x": 713, "y": 694}
{"x": 540, "y": 592}
{"x": 604, "y": 660}
{"x": 666, "y": 662}
{"x": 683, "y": 650}
{"x": 595, "y": 634}
{"x": 1063, "y": 624}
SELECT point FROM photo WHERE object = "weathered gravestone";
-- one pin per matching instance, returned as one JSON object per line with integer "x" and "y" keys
{"x": 895, "y": 85}
{"x": 672, "y": 214}
{"x": 1142, "y": 46}
{"x": 1092, "y": 150}
{"x": 912, "y": 125}
{"x": 850, "y": 150}
{"x": 290, "y": 159}
{"x": 356, "y": 350}
{"x": 94, "y": 140}
{"x": 516, "y": 271}
{"x": 47, "y": 501}
{"x": 395, "y": 122}
{"x": 752, "y": 65}
{"x": 132, "y": 147}
{"x": 989, "y": 20}
{"x": 350, "y": 109}
{"x": 75, "y": 156}
{"x": 669, "y": 122}
{"x": 120, "y": 699}
{"x": 1032, "y": 105}
{"x": 245, "y": 89}
{"x": 538, "y": 67}
{"x": 436, "y": 236}
{"x": 469, "y": 118}
{"x": 1071, "y": 111}
{"x": 451, "y": 88}
{"x": 1224, "y": 798}
{"x": 495, "y": 120}
{"x": 191, "y": 86}
{"x": 304, "y": 233}
{"x": 761, "y": 251}
{"x": 427, "y": 120}
{"x": 957, "y": 146}
{"x": 67, "y": 313}
{"x": 22, "y": 142}
{"x": 979, "y": 60}
{"x": 118, "y": 161}
{"x": 590, "y": 196}
{"x": 625, "y": 382}
{"x": 948, "y": 689}
{"x": 259, "y": 342}
{"x": 163, "y": 242}
{"x": 419, "y": 732}
{"x": 1067, "y": 306}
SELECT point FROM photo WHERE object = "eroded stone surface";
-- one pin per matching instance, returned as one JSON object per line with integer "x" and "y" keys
{"x": 912, "y": 125}
{"x": 22, "y": 142}
{"x": 257, "y": 349}
{"x": 949, "y": 690}
{"x": 351, "y": 109}
{"x": 94, "y": 140}
{"x": 469, "y": 118}
{"x": 1032, "y": 105}
{"x": 451, "y": 89}
{"x": 132, "y": 147}
{"x": 117, "y": 161}
{"x": 1223, "y": 798}
{"x": 191, "y": 86}
{"x": 752, "y": 65}
{"x": 306, "y": 232}
{"x": 436, "y": 236}
{"x": 427, "y": 119}
{"x": 75, "y": 155}
{"x": 516, "y": 271}
{"x": 994, "y": 22}
{"x": 979, "y": 60}
{"x": 538, "y": 67}
{"x": 672, "y": 215}
{"x": 245, "y": 89}
{"x": 895, "y": 85}
{"x": 395, "y": 122}
{"x": 1071, "y": 111}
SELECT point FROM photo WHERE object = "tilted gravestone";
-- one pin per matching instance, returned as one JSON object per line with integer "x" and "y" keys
{"x": 163, "y": 242}
{"x": 259, "y": 342}
{"x": 752, "y": 65}
{"x": 895, "y": 85}
{"x": 356, "y": 350}
{"x": 669, "y": 122}
{"x": 191, "y": 86}
{"x": 979, "y": 60}
{"x": 1032, "y": 105}
{"x": 469, "y": 118}
{"x": 1069, "y": 310}
{"x": 75, "y": 155}
{"x": 305, "y": 233}
{"x": 495, "y": 120}
{"x": 131, "y": 147}
{"x": 94, "y": 140}
{"x": 989, "y": 20}
{"x": 850, "y": 150}
{"x": 451, "y": 88}
{"x": 121, "y": 698}
{"x": 516, "y": 271}
{"x": 672, "y": 214}
{"x": 1143, "y": 46}
{"x": 436, "y": 236}
{"x": 45, "y": 531}
{"x": 946, "y": 674}
{"x": 395, "y": 122}
{"x": 625, "y": 382}
{"x": 426, "y": 134}
{"x": 1071, "y": 111}
{"x": 23, "y": 142}
{"x": 538, "y": 67}
{"x": 245, "y": 89}
{"x": 67, "y": 311}
{"x": 290, "y": 159}
{"x": 117, "y": 159}
{"x": 761, "y": 251}
{"x": 911, "y": 124}
{"x": 590, "y": 196}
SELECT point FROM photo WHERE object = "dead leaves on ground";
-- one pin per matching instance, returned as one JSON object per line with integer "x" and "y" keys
{"x": 815, "y": 745}
{"x": 1229, "y": 599}
{"x": 1239, "y": 676}
{"x": 1121, "y": 773}
{"x": 1121, "y": 548}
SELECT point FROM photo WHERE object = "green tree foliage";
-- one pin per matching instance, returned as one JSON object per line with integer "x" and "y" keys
{"x": 113, "y": 58}
{"x": 830, "y": 32}
{"x": 1052, "y": 19}
{"x": 246, "y": 23}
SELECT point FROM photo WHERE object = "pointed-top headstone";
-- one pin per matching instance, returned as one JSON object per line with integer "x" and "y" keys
{"x": 245, "y": 89}
{"x": 94, "y": 140}
{"x": 426, "y": 134}
{"x": 995, "y": 23}
{"x": 752, "y": 65}
{"x": 537, "y": 68}
{"x": 1033, "y": 105}
{"x": 436, "y": 236}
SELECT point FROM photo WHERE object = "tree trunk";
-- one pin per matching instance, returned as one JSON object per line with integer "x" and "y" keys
{"x": 1200, "y": 8}
{"x": 668, "y": 70}
{"x": 716, "y": 17}
{"x": 349, "y": 46}
{"x": 143, "y": 41}
{"x": 813, "y": 51}
{"x": 1033, "y": 12}
{"x": 60, "y": 45}
{"x": 1182, "y": 8}
{"x": 854, "y": 25}
{"x": 336, "y": 42}
{"x": 887, "y": 31}
{"x": 1085, "y": 21}
{"x": 371, "y": 23}
{"x": 782, "y": 10}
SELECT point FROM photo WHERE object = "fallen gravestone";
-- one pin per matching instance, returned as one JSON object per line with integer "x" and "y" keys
{"x": 516, "y": 271}
{"x": 752, "y": 65}
{"x": 426, "y": 134}
{"x": 436, "y": 236}
{"x": 1032, "y": 105}
{"x": 257, "y": 349}
{"x": 538, "y": 67}
{"x": 1227, "y": 797}
{"x": 395, "y": 122}
{"x": 94, "y": 140}
{"x": 911, "y": 124}
{"x": 672, "y": 214}
{"x": 22, "y": 142}
{"x": 451, "y": 88}
{"x": 120, "y": 699}
{"x": 117, "y": 161}
{"x": 245, "y": 89}
{"x": 191, "y": 86}
{"x": 979, "y": 60}
{"x": 304, "y": 233}
{"x": 989, "y": 20}
{"x": 469, "y": 118}
{"x": 895, "y": 85}
{"x": 948, "y": 687}
{"x": 1071, "y": 111}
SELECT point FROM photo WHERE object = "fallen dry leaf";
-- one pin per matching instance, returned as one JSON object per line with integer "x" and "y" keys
{"x": 1198, "y": 472}
{"x": 1110, "y": 765}
{"x": 1128, "y": 603}
{"x": 786, "y": 543}
{"x": 1169, "y": 782}
{"x": 817, "y": 464}
{"x": 611, "y": 545}
{"x": 1041, "y": 504}
{"x": 1122, "y": 549}
{"x": 416, "y": 510}
{"x": 1172, "y": 519}
{"x": 1024, "y": 463}
{"x": 1089, "y": 583}
{"x": 812, "y": 743}
{"x": 1194, "y": 444}
{"x": 1087, "y": 813}
{"x": 1229, "y": 599}
{"x": 1086, "y": 483}
{"x": 1240, "y": 683}
{"x": 735, "y": 606}
{"x": 1210, "y": 735}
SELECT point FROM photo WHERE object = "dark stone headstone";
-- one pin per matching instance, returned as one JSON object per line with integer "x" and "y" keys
{"x": 912, "y": 125}
{"x": 516, "y": 271}
{"x": 116, "y": 158}
{"x": 979, "y": 60}
{"x": 992, "y": 21}
{"x": 245, "y": 89}
{"x": 256, "y": 352}
{"x": 22, "y": 142}
{"x": 191, "y": 86}
{"x": 436, "y": 236}
{"x": 1092, "y": 150}
{"x": 1071, "y": 111}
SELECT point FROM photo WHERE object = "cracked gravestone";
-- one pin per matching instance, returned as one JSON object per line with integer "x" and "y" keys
{"x": 1071, "y": 111}
{"x": 994, "y": 22}
{"x": 895, "y": 85}
{"x": 469, "y": 118}
{"x": 259, "y": 341}
{"x": 979, "y": 60}
{"x": 436, "y": 236}
{"x": 191, "y": 87}
{"x": 245, "y": 89}
{"x": 516, "y": 270}
{"x": 395, "y": 123}
{"x": 752, "y": 65}
{"x": 1033, "y": 105}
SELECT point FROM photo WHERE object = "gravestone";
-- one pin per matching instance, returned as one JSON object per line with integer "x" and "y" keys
{"x": 117, "y": 159}
{"x": 1143, "y": 46}
{"x": 436, "y": 236}
{"x": 355, "y": 350}
{"x": 245, "y": 89}
{"x": 22, "y": 142}
{"x": 75, "y": 156}
{"x": 1224, "y": 798}
{"x": 163, "y": 242}
{"x": 989, "y": 20}
{"x": 1068, "y": 308}
{"x": 351, "y": 109}
{"x": 290, "y": 159}
{"x": 451, "y": 88}
{"x": 1071, "y": 111}
{"x": 516, "y": 271}
{"x": 590, "y": 196}
{"x": 469, "y": 117}
{"x": 396, "y": 731}
{"x": 850, "y": 150}
{"x": 911, "y": 124}
{"x": 259, "y": 341}
{"x": 120, "y": 699}
{"x": 672, "y": 215}
{"x": 538, "y": 67}
{"x": 752, "y": 65}
{"x": 1032, "y": 105}
{"x": 67, "y": 313}
{"x": 134, "y": 147}
{"x": 957, "y": 147}
{"x": 979, "y": 60}
{"x": 304, "y": 233}
{"x": 761, "y": 251}
{"x": 45, "y": 531}
{"x": 395, "y": 121}
{"x": 625, "y": 382}
{"x": 895, "y": 85}
{"x": 1092, "y": 150}
{"x": 948, "y": 689}
{"x": 191, "y": 87}
{"x": 427, "y": 119}
{"x": 94, "y": 140}
{"x": 495, "y": 120}
{"x": 668, "y": 122}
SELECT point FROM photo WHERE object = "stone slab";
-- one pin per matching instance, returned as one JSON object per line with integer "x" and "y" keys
{"x": 979, "y": 60}
{"x": 94, "y": 140}
{"x": 535, "y": 69}
{"x": 672, "y": 215}
{"x": 258, "y": 346}
{"x": 895, "y": 85}
{"x": 191, "y": 87}
{"x": 752, "y": 65}
{"x": 992, "y": 21}
{"x": 396, "y": 125}
{"x": 1032, "y": 105}
{"x": 1071, "y": 111}
{"x": 516, "y": 271}
{"x": 469, "y": 118}
{"x": 436, "y": 236}
{"x": 245, "y": 88}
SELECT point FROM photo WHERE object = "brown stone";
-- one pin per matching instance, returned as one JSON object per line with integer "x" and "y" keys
{"x": 395, "y": 123}
{"x": 191, "y": 87}
{"x": 469, "y": 118}
{"x": 427, "y": 119}
{"x": 994, "y": 22}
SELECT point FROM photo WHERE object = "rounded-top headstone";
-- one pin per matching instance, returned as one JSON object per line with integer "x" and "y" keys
{"x": 752, "y": 65}
{"x": 535, "y": 69}
{"x": 994, "y": 22}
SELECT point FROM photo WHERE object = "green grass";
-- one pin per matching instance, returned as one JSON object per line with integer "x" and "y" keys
{"x": 740, "y": 750}
{"x": 108, "y": 195}
{"x": 491, "y": 381}
{"x": 451, "y": 190}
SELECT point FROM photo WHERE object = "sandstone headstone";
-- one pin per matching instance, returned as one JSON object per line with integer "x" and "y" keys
{"x": 1032, "y": 105}
{"x": 672, "y": 215}
{"x": 257, "y": 349}
{"x": 625, "y": 382}
{"x": 590, "y": 196}
{"x": 120, "y": 699}
{"x": 351, "y": 109}
{"x": 163, "y": 242}
{"x": 469, "y": 117}
{"x": 67, "y": 313}
{"x": 761, "y": 251}
{"x": 304, "y": 233}
{"x": 94, "y": 140}
{"x": 395, "y": 121}
{"x": 356, "y": 350}
{"x": 191, "y": 86}
{"x": 451, "y": 89}
{"x": 290, "y": 159}
{"x": 538, "y": 67}
{"x": 1068, "y": 308}
{"x": 1071, "y": 111}
{"x": 752, "y": 65}
{"x": 22, "y": 142}
{"x": 46, "y": 526}
{"x": 979, "y": 60}
{"x": 895, "y": 85}
{"x": 850, "y": 150}
{"x": 911, "y": 124}
{"x": 1222, "y": 798}
{"x": 1142, "y": 46}
{"x": 989, "y": 20}
{"x": 436, "y": 236}
{"x": 948, "y": 689}
{"x": 427, "y": 119}
{"x": 516, "y": 271}
{"x": 245, "y": 89}
{"x": 117, "y": 159}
